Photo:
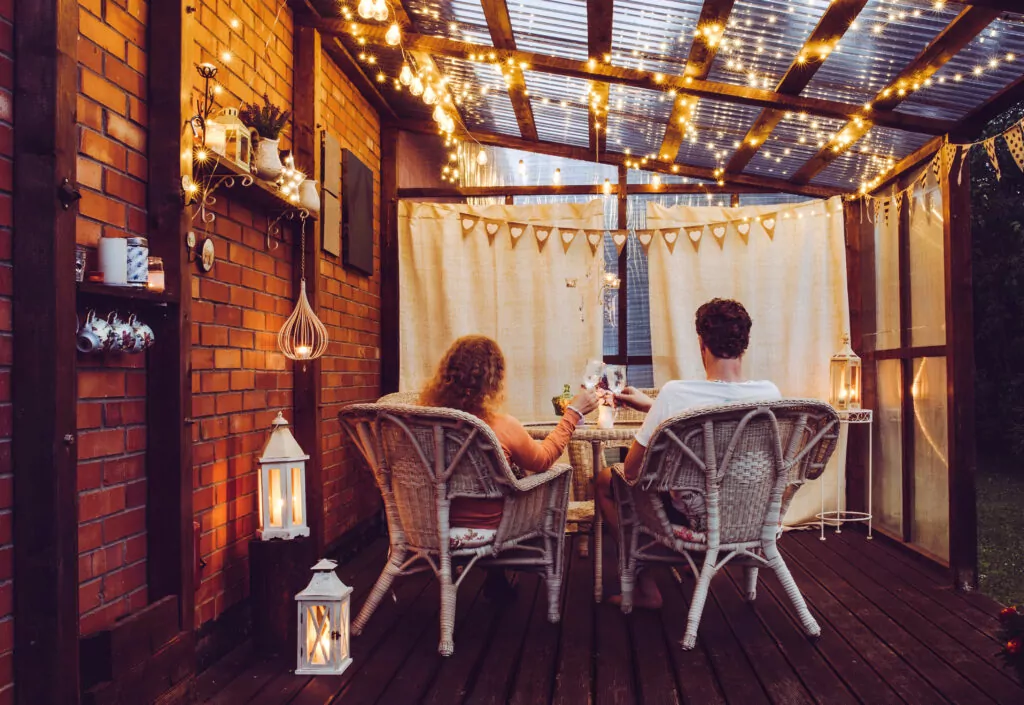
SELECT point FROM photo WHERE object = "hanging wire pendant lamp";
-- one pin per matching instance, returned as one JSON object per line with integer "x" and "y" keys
{"x": 303, "y": 336}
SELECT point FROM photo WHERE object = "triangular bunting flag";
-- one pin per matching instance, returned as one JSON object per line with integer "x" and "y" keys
{"x": 695, "y": 234}
{"x": 963, "y": 162}
{"x": 948, "y": 153}
{"x": 768, "y": 222}
{"x": 468, "y": 222}
{"x": 645, "y": 237}
{"x": 567, "y": 236}
{"x": 671, "y": 237}
{"x": 897, "y": 202}
{"x": 516, "y": 231}
{"x": 619, "y": 238}
{"x": 1015, "y": 141}
{"x": 990, "y": 149}
{"x": 491, "y": 227}
{"x": 542, "y": 232}
{"x": 594, "y": 238}
{"x": 743, "y": 228}
{"x": 718, "y": 230}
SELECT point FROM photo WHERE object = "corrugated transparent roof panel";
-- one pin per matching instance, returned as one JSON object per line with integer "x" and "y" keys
{"x": 883, "y": 40}
{"x": 779, "y": 159}
{"x": 762, "y": 38}
{"x": 489, "y": 110}
{"x": 654, "y": 36}
{"x": 849, "y": 170}
{"x": 640, "y": 176}
{"x": 984, "y": 67}
{"x": 557, "y": 27}
{"x": 771, "y": 199}
{"x": 719, "y": 128}
{"x": 560, "y": 108}
{"x": 636, "y": 119}
{"x": 639, "y": 201}
{"x": 539, "y": 169}
{"x": 456, "y": 19}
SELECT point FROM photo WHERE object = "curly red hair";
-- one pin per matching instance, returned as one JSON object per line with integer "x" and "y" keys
{"x": 470, "y": 378}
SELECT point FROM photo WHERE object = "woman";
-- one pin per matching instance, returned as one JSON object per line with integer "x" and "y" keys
{"x": 471, "y": 378}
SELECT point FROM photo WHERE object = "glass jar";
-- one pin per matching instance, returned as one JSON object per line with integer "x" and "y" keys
{"x": 156, "y": 280}
{"x": 138, "y": 261}
{"x": 562, "y": 400}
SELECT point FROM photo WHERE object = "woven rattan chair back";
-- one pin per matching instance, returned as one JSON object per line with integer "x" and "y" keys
{"x": 408, "y": 398}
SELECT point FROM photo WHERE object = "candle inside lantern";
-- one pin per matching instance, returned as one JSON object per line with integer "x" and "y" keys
{"x": 156, "y": 280}
{"x": 302, "y": 351}
{"x": 605, "y": 417}
{"x": 318, "y": 636}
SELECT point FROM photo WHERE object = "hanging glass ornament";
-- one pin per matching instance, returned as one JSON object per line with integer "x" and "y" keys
{"x": 303, "y": 336}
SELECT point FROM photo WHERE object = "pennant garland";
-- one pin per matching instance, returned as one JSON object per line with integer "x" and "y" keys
{"x": 1015, "y": 141}
{"x": 670, "y": 237}
{"x": 694, "y": 234}
{"x": 516, "y": 230}
{"x": 542, "y": 234}
{"x": 468, "y": 222}
{"x": 645, "y": 237}
{"x": 990, "y": 149}
{"x": 768, "y": 222}
{"x": 491, "y": 227}
{"x": 619, "y": 238}
{"x": 594, "y": 238}
{"x": 567, "y": 236}
{"x": 718, "y": 230}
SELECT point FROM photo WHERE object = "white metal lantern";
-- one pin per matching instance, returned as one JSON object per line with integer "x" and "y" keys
{"x": 229, "y": 137}
{"x": 323, "y": 644}
{"x": 282, "y": 488}
{"x": 844, "y": 378}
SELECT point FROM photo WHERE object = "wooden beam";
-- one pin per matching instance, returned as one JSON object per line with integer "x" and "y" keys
{"x": 609, "y": 73}
{"x": 618, "y": 159}
{"x": 963, "y": 512}
{"x": 500, "y": 26}
{"x": 829, "y": 30}
{"x": 348, "y": 65}
{"x": 971, "y": 22}
{"x": 600, "y": 14}
{"x": 570, "y": 190}
{"x": 911, "y": 161}
{"x": 714, "y": 16}
{"x": 44, "y": 427}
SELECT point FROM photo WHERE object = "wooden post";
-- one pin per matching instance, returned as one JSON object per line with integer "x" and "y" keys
{"x": 44, "y": 458}
{"x": 389, "y": 270}
{"x": 169, "y": 519}
{"x": 907, "y": 427}
{"x": 622, "y": 224}
{"x": 856, "y": 235}
{"x": 308, "y": 411}
{"x": 963, "y": 511}
{"x": 278, "y": 569}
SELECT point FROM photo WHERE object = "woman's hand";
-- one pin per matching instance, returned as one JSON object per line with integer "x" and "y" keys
{"x": 585, "y": 401}
{"x": 635, "y": 399}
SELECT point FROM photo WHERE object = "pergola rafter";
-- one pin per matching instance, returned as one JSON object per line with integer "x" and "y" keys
{"x": 500, "y": 26}
{"x": 601, "y": 71}
{"x": 714, "y": 16}
{"x": 599, "y": 45}
{"x": 829, "y": 30}
{"x": 971, "y": 22}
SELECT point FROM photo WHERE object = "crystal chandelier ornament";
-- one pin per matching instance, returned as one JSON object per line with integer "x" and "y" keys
{"x": 303, "y": 336}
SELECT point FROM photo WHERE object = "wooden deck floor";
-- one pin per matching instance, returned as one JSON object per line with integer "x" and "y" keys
{"x": 893, "y": 632}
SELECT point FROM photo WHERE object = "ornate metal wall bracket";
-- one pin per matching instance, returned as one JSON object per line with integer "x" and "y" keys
{"x": 274, "y": 226}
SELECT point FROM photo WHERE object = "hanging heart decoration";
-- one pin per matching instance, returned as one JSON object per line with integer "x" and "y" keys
{"x": 491, "y": 226}
{"x": 567, "y": 237}
{"x": 516, "y": 230}
{"x": 542, "y": 234}
{"x": 468, "y": 222}
{"x": 645, "y": 237}
{"x": 743, "y": 228}
{"x": 671, "y": 236}
{"x": 768, "y": 223}
{"x": 619, "y": 238}
{"x": 695, "y": 235}
{"x": 594, "y": 238}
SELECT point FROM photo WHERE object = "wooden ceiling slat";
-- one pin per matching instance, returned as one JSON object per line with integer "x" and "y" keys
{"x": 570, "y": 190}
{"x": 830, "y": 29}
{"x": 698, "y": 65}
{"x": 617, "y": 159}
{"x": 500, "y": 26}
{"x": 965, "y": 27}
{"x": 600, "y": 15}
{"x": 600, "y": 71}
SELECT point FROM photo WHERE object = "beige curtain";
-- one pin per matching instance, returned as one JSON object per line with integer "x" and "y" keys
{"x": 793, "y": 284}
{"x": 455, "y": 284}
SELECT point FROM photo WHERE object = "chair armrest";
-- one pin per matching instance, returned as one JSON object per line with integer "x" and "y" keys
{"x": 533, "y": 481}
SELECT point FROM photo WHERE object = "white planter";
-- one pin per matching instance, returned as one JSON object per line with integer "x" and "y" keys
{"x": 268, "y": 159}
{"x": 309, "y": 197}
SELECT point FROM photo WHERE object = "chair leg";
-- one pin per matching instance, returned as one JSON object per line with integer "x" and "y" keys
{"x": 448, "y": 592}
{"x": 750, "y": 582}
{"x": 554, "y": 583}
{"x": 380, "y": 589}
{"x": 776, "y": 563}
{"x": 700, "y": 596}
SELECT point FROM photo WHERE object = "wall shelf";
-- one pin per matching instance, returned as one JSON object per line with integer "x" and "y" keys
{"x": 97, "y": 291}
{"x": 260, "y": 193}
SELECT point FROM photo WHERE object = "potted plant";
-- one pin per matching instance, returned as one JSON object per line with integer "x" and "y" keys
{"x": 266, "y": 121}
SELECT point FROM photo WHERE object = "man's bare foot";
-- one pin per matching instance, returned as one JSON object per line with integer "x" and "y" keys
{"x": 646, "y": 596}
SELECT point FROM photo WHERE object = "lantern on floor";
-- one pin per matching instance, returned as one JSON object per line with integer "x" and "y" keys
{"x": 323, "y": 647}
{"x": 229, "y": 137}
{"x": 282, "y": 488}
{"x": 844, "y": 378}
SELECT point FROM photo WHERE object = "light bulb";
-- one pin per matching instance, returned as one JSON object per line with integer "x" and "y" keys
{"x": 439, "y": 115}
{"x": 557, "y": 176}
{"x": 481, "y": 158}
{"x": 607, "y": 188}
{"x": 394, "y": 35}
{"x": 405, "y": 75}
{"x": 656, "y": 181}
{"x": 522, "y": 167}
{"x": 303, "y": 351}
{"x": 416, "y": 87}
{"x": 380, "y": 10}
{"x": 365, "y": 9}
{"x": 429, "y": 96}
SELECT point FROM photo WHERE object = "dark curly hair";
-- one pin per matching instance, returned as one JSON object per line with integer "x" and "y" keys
{"x": 724, "y": 327}
{"x": 470, "y": 377}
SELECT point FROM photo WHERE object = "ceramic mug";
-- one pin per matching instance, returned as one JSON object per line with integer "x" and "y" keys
{"x": 92, "y": 335}
{"x": 142, "y": 332}
{"x": 121, "y": 337}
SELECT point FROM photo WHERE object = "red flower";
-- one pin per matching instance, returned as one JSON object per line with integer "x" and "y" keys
{"x": 1013, "y": 647}
{"x": 1007, "y": 614}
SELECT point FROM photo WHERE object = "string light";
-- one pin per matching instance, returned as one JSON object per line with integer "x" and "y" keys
{"x": 429, "y": 95}
{"x": 416, "y": 87}
{"x": 607, "y": 188}
{"x": 556, "y": 178}
{"x": 394, "y": 35}
{"x": 522, "y": 168}
{"x": 405, "y": 75}
{"x": 481, "y": 158}
{"x": 365, "y": 9}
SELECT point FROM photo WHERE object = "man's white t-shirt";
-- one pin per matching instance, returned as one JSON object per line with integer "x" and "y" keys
{"x": 684, "y": 395}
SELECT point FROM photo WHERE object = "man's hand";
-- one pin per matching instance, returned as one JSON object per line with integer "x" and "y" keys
{"x": 635, "y": 399}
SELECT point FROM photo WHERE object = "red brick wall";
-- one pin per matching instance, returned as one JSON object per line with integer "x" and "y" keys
{"x": 112, "y": 173}
{"x": 350, "y": 307}
{"x": 6, "y": 477}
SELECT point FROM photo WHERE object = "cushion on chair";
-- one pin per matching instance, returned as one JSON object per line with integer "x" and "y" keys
{"x": 687, "y": 534}
{"x": 470, "y": 538}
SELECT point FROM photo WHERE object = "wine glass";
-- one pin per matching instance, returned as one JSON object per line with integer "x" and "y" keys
{"x": 592, "y": 374}
{"x": 616, "y": 376}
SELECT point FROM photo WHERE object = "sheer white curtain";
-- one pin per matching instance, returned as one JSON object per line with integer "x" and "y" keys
{"x": 793, "y": 285}
{"x": 454, "y": 284}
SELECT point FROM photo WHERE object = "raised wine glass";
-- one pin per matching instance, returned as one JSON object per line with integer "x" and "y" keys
{"x": 592, "y": 374}
{"x": 616, "y": 376}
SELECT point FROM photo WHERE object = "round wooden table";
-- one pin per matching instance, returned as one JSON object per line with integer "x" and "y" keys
{"x": 596, "y": 437}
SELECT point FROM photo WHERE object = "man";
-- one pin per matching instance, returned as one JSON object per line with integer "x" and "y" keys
{"x": 723, "y": 331}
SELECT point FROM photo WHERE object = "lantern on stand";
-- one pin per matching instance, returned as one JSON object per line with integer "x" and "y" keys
{"x": 323, "y": 647}
{"x": 844, "y": 379}
{"x": 229, "y": 137}
{"x": 282, "y": 488}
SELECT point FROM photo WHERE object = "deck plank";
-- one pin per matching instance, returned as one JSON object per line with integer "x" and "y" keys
{"x": 574, "y": 675}
{"x": 655, "y": 674}
{"x": 218, "y": 675}
{"x": 948, "y": 681}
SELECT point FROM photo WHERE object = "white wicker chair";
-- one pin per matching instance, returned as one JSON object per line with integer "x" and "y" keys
{"x": 423, "y": 458}
{"x": 740, "y": 459}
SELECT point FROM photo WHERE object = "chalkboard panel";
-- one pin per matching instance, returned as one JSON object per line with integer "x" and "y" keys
{"x": 357, "y": 214}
